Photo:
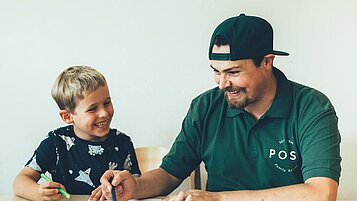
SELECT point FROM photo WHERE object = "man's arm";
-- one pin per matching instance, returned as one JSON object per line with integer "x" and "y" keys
{"x": 317, "y": 188}
{"x": 155, "y": 182}
{"x": 152, "y": 183}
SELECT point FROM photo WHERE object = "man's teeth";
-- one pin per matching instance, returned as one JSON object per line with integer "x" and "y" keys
{"x": 233, "y": 92}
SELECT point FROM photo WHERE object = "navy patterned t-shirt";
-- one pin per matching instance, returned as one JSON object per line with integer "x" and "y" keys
{"x": 78, "y": 164}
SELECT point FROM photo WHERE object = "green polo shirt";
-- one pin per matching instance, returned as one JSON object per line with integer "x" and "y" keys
{"x": 296, "y": 139}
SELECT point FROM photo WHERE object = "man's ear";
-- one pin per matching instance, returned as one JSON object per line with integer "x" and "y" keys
{"x": 66, "y": 116}
{"x": 268, "y": 61}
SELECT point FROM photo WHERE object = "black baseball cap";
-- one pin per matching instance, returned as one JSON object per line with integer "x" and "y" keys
{"x": 248, "y": 37}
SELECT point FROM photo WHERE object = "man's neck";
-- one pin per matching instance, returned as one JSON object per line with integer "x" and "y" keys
{"x": 259, "y": 108}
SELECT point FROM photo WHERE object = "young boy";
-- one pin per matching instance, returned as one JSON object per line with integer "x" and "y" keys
{"x": 77, "y": 155}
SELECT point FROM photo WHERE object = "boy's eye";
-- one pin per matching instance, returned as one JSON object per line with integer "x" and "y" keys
{"x": 107, "y": 103}
{"x": 91, "y": 109}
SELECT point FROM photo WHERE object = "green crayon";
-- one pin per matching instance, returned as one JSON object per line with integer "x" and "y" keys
{"x": 63, "y": 192}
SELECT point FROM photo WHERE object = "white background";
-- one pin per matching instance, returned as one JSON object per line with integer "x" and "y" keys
{"x": 154, "y": 56}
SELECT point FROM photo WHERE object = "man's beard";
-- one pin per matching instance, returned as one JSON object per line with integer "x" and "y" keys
{"x": 235, "y": 102}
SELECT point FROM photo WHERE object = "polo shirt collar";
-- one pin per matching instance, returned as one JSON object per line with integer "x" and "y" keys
{"x": 281, "y": 105}
{"x": 232, "y": 112}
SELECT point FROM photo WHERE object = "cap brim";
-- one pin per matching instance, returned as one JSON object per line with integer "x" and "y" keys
{"x": 281, "y": 53}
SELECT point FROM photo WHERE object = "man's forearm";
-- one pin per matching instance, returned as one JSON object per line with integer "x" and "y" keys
{"x": 321, "y": 189}
{"x": 154, "y": 183}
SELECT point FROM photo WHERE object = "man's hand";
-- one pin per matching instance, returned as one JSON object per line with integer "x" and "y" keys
{"x": 123, "y": 182}
{"x": 49, "y": 191}
{"x": 193, "y": 195}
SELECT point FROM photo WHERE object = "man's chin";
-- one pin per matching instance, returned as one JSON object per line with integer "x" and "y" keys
{"x": 236, "y": 104}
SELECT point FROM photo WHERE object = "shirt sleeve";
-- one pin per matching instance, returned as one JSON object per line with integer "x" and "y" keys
{"x": 44, "y": 157}
{"x": 320, "y": 146}
{"x": 135, "y": 166}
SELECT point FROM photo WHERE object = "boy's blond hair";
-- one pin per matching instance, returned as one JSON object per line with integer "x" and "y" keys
{"x": 70, "y": 85}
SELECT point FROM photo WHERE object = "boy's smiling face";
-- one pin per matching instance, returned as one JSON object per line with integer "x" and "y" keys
{"x": 92, "y": 115}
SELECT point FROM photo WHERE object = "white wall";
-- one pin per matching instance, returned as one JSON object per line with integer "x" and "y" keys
{"x": 154, "y": 55}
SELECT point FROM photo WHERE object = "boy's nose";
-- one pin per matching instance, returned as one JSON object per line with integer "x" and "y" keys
{"x": 103, "y": 113}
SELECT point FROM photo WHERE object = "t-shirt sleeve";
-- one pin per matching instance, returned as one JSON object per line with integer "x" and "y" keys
{"x": 44, "y": 157}
{"x": 184, "y": 155}
{"x": 135, "y": 166}
{"x": 320, "y": 146}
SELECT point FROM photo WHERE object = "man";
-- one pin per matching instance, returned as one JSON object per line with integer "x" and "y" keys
{"x": 260, "y": 135}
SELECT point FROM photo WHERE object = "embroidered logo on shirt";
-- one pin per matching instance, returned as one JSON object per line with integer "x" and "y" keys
{"x": 94, "y": 150}
{"x": 284, "y": 156}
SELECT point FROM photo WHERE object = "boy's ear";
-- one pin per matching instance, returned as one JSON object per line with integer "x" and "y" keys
{"x": 66, "y": 116}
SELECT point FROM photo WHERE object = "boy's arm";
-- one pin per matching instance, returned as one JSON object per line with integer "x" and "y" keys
{"x": 25, "y": 185}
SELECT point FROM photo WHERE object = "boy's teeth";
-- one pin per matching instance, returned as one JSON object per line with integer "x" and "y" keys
{"x": 100, "y": 124}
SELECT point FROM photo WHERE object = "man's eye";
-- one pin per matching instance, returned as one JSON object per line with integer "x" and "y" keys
{"x": 107, "y": 103}
{"x": 233, "y": 73}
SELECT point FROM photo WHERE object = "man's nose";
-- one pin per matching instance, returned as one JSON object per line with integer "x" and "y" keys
{"x": 223, "y": 82}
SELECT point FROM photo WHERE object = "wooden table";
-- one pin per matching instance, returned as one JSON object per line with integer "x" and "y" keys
{"x": 8, "y": 197}
{"x": 11, "y": 197}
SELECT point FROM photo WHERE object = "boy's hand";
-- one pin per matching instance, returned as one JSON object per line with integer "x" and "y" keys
{"x": 97, "y": 195}
{"x": 49, "y": 191}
